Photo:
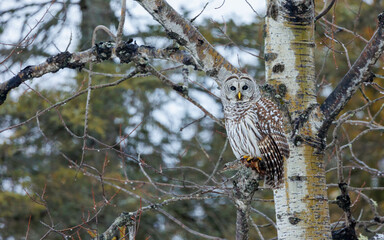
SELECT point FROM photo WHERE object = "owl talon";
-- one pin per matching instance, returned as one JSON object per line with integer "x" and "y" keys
{"x": 248, "y": 158}
{"x": 254, "y": 163}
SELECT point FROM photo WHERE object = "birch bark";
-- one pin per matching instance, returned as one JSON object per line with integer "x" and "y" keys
{"x": 302, "y": 204}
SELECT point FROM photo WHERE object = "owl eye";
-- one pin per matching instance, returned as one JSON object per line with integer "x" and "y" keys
{"x": 245, "y": 87}
{"x": 233, "y": 88}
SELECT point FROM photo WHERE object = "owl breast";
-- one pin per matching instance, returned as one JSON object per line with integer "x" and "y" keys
{"x": 242, "y": 134}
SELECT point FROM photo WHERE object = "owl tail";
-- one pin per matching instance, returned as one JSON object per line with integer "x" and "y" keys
{"x": 274, "y": 175}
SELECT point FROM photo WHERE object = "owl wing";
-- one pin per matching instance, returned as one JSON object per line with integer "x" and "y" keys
{"x": 270, "y": 123}
{"x": 273, "y": 144}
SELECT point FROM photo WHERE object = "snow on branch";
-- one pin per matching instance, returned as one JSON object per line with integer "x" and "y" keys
{"x": 357, "y": 74}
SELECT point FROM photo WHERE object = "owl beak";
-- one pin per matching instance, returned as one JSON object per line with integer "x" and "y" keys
{"x": 239, "y": 95}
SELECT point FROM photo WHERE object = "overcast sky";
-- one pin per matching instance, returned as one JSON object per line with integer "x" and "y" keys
{"x": 239, "y": 10}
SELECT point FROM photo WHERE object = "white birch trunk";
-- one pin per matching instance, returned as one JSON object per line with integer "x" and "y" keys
{"x": 302, "y": 204}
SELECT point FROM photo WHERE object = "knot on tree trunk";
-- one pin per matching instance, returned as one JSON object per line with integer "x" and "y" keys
{"x": 380, "y": 17}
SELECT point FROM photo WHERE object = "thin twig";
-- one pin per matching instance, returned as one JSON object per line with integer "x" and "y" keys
{"x": 164, "y": 79}
{"x": 120, "y": 28}
{"x": 252, "y": 8}
{"x": 265, "y": 216}
{"x": 256, "y": 227}
{"x": 193, "y": 19}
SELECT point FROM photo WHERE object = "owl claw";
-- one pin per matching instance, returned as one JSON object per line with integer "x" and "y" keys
{"x": 253, "y": 162}
{"x": 248, "y": 158}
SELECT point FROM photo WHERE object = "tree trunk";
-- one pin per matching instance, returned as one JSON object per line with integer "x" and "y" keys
{"x": 302, "y": 204}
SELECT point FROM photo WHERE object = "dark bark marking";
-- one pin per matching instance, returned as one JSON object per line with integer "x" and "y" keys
{"x": 346, "y": 233}
{"x": 344, "y": 202}
{"x": 62, "y": 60}
{"x": 177, "y": 37}
{"x": 298, "y": 178}
{"x": 379, "y": 219}
{"x": 303, "y": 117}
{"x": 282, "y": 89}
{"x": 181, "y": 89}
{"x": 273, "y": 11}
{"x": 278, "y": 68}
{"x": 298, "y": 14}
{"x": 270, "y": 56}
{"x": 212, "y": 72}
{"x": 269, "y": 89}
{"x": 200, "y": 42}
{"x": 294, "y": 10}
{"x": 126, "y": 51}
{"x": 104, "y": 50}
{"x": 294, "y": 220}
{"x": 158, "y": 9}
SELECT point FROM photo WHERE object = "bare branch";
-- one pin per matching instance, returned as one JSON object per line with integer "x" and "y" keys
{"x": 265, "y": 216}
{"x": 359, "y": 73}
{"x": 27, "y": 39}
{"x": 257, "y": 228}
{"x": 100, "y": 52}
{"x": 39, "y": 113}
{"x": 244, "y": 188}
{"x": 181, "y": 91}
{"x": 121, "y": 22}
{"x": 339, "y": 28}
{"x": 187, "y": 35}
{"x": 193, "y": 19}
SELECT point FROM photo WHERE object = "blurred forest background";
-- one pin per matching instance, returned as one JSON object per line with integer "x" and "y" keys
{"x": 182, "y": 149}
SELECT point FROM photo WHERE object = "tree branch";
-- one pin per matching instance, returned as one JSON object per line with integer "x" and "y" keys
{"x": 100, "y": 52}
{"x": 52, "y": 64}
{"x": 120, "y": 28}
{"x": 182, "y": 91}
{"x": 344, "y": 202}
{"x": 244, "y": 188}
{"x": 358, "y": 74}
{"x": 188, "y": 36}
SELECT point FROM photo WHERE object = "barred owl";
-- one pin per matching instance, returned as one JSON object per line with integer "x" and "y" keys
{"x": 254, "y": 128}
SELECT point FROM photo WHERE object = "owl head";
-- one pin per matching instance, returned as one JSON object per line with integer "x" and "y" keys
{"x": 239, "y": 88}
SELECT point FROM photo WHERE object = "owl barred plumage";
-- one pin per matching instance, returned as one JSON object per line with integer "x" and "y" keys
{"x": 254, "y": 128}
